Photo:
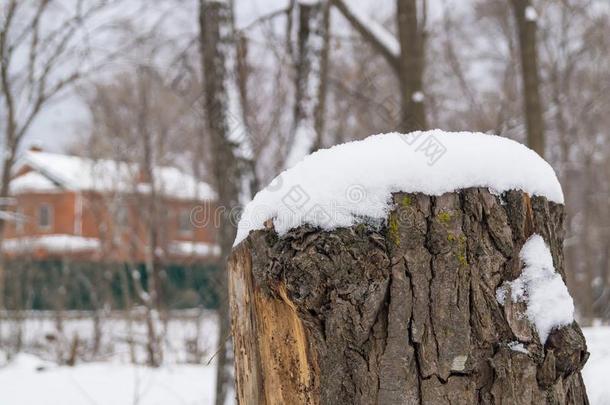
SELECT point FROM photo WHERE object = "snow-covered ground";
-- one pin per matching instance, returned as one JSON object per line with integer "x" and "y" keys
{"x": 597, "y": 371}
{"x": 188, "y": 336}
{"x": 32, "y": 381}
{"x": 33, "y": 376}
{"x": 29, "y": 380}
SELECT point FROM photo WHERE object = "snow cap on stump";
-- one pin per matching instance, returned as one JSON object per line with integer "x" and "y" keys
{"x": 353, "y": 182}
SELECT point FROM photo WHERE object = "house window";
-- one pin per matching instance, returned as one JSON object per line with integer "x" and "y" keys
{"x": 45, "y": 216}
{"x": 20, "y": 221}
{"x": 184, "y": 222}
{"x": 122, "y": 216}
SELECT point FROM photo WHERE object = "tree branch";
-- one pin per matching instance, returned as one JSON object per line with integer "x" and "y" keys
{"x": 368, "y": 34}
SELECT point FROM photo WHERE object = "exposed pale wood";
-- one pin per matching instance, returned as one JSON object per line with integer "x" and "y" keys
{"x": 247, "y": 367}
{"x": 274, "y": 363}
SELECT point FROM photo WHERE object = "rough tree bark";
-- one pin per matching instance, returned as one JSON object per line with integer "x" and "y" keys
{"x": 404, "y": 313}
{"x": 525, "y": 16}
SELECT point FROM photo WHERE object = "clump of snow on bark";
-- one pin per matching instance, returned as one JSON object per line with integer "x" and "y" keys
{"x": 549, "y": 304}
{"x": 531, "y": 14}
{"x": 518, "y": 347}
{"x": 353, "y": 182}
{"x": 417, "y": 97}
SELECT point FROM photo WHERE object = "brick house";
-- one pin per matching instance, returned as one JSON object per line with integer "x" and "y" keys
{"x": 102, "y": 211}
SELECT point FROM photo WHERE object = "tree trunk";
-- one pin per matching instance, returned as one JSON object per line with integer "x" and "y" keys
{"x": 405, "y": 313}
{"x": 311, "y": 80}
{"x": 408, "y": 64}
{"x": 411, "y": 60}
{"x": 217, "y": 43}
{"x": 525, "y": 15}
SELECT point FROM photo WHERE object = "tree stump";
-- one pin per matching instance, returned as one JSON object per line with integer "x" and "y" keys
{"x": 404, "y": 312}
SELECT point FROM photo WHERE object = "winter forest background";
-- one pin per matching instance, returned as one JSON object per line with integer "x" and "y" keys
{"x": 235, "y": 92}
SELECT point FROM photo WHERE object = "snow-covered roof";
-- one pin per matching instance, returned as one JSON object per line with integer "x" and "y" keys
{"x": 53, "y": 171}
{"x": 61, "y": 243}
{"x": 32, "y": 181}
{"x": 352, "y": 182}
{"x": 184, "y": 248}
{"x": 51, "y": 243}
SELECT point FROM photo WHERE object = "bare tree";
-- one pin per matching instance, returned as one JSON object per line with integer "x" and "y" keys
{"x": 51, "y": 38}
{"x": 406, "y": 56}
{"x": 313, "y": 40}
{"x": 136, "y": 116}
{"x": 231, "y": 152}
{"x": 411, "y": 37}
